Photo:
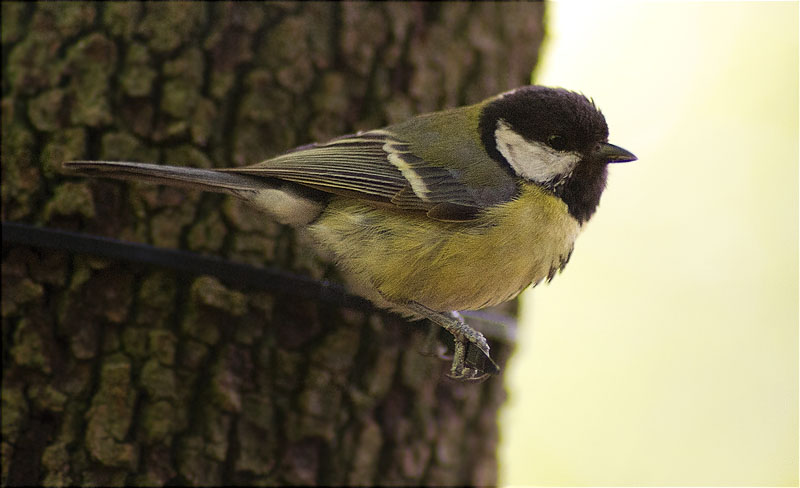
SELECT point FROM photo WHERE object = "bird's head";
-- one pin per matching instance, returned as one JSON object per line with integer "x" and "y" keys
{"x": 555, "y": 138}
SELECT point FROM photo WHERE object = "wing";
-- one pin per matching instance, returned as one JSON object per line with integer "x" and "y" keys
{"x": 375, "y": 166}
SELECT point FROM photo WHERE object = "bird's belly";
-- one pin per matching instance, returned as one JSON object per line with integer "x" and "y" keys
{"x": 449, "y": 265}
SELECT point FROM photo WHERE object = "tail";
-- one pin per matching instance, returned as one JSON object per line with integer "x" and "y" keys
{"x": 194, "y": 178}
{"x": 280, "y": 200}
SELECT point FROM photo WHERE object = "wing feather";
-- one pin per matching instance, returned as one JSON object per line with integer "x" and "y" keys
{"x": 376, "y": 166}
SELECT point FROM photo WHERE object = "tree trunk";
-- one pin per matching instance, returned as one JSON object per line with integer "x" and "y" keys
{"x": 118, "y": 373}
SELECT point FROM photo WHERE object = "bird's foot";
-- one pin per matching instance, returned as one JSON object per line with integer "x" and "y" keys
{"x": 472, "y": 360}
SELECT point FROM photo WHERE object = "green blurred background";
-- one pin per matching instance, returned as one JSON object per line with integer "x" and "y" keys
{"x": 667, "y": 352}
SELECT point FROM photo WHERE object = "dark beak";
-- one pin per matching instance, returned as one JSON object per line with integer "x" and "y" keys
{"x": 614, "y": 154}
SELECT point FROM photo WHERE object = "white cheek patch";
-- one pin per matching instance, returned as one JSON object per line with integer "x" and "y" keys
{"x": 532, "y": 160}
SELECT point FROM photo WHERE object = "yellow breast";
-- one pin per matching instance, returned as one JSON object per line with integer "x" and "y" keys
{"x": 450, "y": 265}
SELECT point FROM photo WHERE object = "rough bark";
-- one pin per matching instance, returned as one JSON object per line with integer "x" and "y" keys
{"x": 116, "y": 373}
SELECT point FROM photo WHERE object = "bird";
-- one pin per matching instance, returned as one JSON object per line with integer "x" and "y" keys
{"x": 447, "y": 211}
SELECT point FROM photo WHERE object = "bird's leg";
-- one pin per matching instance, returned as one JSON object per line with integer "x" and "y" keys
{"x": 471, "y": 358}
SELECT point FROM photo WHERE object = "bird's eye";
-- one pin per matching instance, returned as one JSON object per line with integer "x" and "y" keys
{"x": 557, "y": 142}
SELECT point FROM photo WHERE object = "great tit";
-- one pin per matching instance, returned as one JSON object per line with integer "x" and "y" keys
{"x": 453, "y": 210}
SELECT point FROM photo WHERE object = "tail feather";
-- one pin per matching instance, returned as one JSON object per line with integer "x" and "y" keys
{"x": 195, "y": 178}
{"x": 285, "y": 202}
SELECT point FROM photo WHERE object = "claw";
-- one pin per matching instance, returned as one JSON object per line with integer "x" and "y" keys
{"x": 474, "y": 350}
{"x": 471, "y": 377}
{"x": 471, "y": 363}
{"x": 480, "y": 360}
{"x": 467, "y": 374}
